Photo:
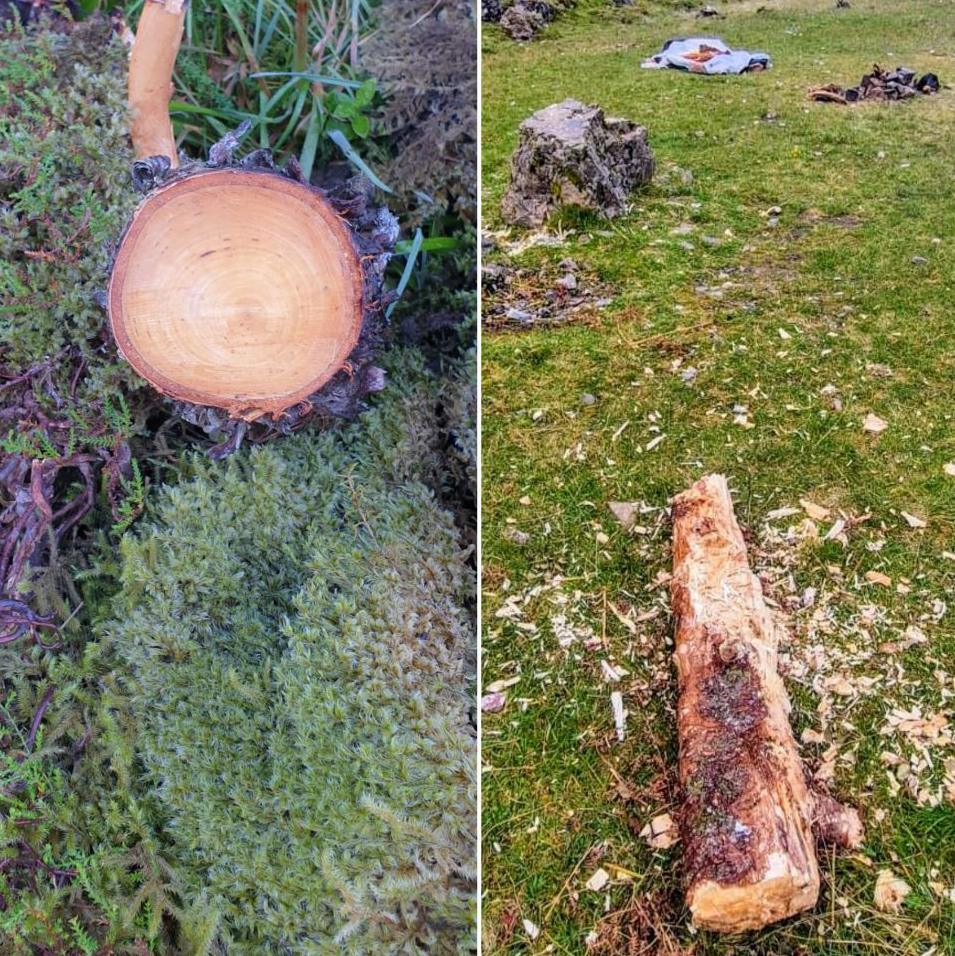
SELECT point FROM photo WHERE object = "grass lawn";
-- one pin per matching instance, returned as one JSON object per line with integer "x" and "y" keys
{"x": 754, "y": 344}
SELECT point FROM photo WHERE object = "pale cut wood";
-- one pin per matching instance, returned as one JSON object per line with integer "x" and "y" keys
{"x": 747, "y": 822}
{"x": 151, "y": 63}
{"x": 236, "y": 289}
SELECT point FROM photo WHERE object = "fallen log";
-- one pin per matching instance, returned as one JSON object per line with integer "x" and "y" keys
{"x": 240, "y": 291}
{"x": 749, "y": 819}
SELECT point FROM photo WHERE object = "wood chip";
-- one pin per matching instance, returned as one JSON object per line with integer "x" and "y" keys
{"x": 949, "y": 469}
{"x": 837, "y": 532}
{"x": 612, "y": 672}
{"x": 874, "y": 424}
{"x": 598, "y": 881}
{"x": 619, "y": 715}
{"x": 625, "y": 512}
{"x": 914, "y": 521}
{"x": 781, "y": 513}
{"x": 622, "y": 618}
{"x": 816, "y": 512}
{"x": 890, "y": 891}
{"x": 877, "y": 577}
{"x": 497, "y": 686}
{"x": 661, "y": 832}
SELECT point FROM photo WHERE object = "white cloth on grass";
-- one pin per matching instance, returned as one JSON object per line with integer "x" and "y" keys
{"x": 673, "y": 56}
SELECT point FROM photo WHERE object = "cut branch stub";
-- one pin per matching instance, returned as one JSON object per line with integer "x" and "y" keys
{"x": 236, "y": 289}
{"x": 151, "y": 62}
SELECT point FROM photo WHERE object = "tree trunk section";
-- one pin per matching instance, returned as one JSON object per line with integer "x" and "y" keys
{"x": 236, "y": 289}
{"x": 747, "y": 821}
{"x": 241, "y": 292}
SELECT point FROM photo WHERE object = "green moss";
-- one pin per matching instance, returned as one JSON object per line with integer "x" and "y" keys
{"x": 65, "y": 195}
{"x": 297, "y": 661}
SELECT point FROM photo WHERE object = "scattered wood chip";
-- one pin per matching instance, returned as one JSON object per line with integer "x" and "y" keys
{"x": 874, "y": 424}
{"x": 516, "y": 535}
{"x": 532, "y": 930}
{"x": 619, "y": 715}
{"x": 661, "y": 832}
{"x": 612, "y": 672}
{"x": 816, "y": 512}
{"x": 781, "y": 513}
{"x": 949, "y": 469}
{"x": 622, "y": 618}
{"x": 890, "y": 891}
{"x": 913, "y": 521}
{"x": 625, "y": 512}
{"x": 837, "y": 532}
{"x": 598, "y": 881}
{"x": 877, "y": 577}
{"x": 497, "y": 686}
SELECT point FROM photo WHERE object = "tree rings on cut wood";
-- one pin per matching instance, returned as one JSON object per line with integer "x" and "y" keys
{"x": 237, "y": 289}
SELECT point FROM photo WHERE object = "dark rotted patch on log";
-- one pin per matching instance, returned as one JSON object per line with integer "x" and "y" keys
{"x": 731, "y": 694}
{"x": 717, "y": 840}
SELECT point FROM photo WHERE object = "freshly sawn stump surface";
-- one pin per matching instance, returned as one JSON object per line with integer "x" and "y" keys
{"x": 749, "y": 817}
{"x": 245, "y": 294}
{"x": 236, "y": 289}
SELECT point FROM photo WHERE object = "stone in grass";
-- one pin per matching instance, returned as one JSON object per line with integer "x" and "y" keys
{"x": 572, "y": 155}
{"x": 523, "y": 21}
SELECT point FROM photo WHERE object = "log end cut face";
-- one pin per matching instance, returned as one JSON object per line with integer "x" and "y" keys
{"x": 781, "y": 892}
{"x": 235, "y": 289}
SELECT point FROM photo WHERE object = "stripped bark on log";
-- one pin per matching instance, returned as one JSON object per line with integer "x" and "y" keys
{"x": 749, "y": 820}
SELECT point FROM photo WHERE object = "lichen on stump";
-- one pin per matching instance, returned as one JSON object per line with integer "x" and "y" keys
{"x": 572, "y": 155}
{"x": 749, "y": 820}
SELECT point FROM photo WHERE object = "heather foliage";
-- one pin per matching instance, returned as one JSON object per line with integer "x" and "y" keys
{"x": 65, "y": 196}
{"x": 298, "y": 663}
{"x": 425, "y": 60}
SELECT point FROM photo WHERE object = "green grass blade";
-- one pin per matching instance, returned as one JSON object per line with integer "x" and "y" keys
{"x": 307, "y": 158}
{"x": 412, "y": 254}
{"x": 341, "y": 141}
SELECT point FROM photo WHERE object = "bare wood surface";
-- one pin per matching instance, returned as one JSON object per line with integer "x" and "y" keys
{"x": 747, "y": 822}
{"x": 236, "y": 289}
{"x": 151, "y": 63}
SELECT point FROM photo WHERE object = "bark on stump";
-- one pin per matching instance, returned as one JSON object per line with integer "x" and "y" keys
{"x": 749, "y": 817}
{"x": 239, "y": 291}
{"x": 572, "y": 155}
{"x": 523, "y": 21}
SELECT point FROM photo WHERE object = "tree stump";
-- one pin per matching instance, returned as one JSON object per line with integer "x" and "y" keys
{"x": 748, "y": 818}
{"x": 572, "y": 155}
{"x": 241, "y": 292}
{"x": 236, "y": 289}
